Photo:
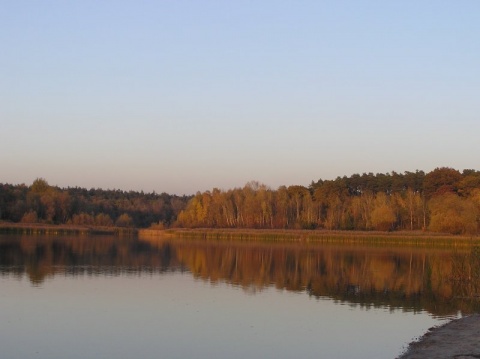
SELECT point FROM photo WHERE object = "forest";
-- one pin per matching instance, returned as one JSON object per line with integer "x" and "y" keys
{"x": 444, "y": 200}
{"x": 42, "y": 203}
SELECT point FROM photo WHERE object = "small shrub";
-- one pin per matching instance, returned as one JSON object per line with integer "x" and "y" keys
{"x": 30, "y": 217}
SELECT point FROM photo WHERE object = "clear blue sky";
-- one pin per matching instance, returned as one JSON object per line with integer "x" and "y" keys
{"x": 180, "y": 96}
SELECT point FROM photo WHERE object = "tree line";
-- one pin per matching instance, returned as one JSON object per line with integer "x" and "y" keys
{"x": 42, "y": 203}
{"x": 443, "y": 200}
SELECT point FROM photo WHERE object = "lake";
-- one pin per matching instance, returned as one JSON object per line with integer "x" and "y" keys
{"x": 117, "y": 297}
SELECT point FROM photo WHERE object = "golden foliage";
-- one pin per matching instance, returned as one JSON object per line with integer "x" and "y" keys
{"x": 30, "y": 217}
{"x": 124, "y": 221}
{"x": 453, "y": 214}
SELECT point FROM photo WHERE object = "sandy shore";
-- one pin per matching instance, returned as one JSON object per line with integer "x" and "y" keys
{"x": 458, "y": 339}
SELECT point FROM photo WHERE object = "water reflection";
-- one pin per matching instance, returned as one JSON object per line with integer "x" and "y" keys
{"x": 440, "y": 281}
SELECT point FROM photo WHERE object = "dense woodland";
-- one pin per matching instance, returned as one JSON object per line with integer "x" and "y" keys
{"x": 443, "y": 200}
{"x": 42, "y": 203}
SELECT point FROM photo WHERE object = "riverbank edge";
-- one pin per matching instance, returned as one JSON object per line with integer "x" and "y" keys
{"x": 455, "y": 339}
{"x": 415, "y": 238}
{"x": 50, "y": 229}
{"x": 318, "y": 236}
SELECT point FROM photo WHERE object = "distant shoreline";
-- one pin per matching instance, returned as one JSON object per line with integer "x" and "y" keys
{"x": 61, "y": 229}
{"x": 273, "y": 235}
{"x": 303, "y": 235}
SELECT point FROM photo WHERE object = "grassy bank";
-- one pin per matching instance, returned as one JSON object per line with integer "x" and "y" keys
{"x": 265, "y": 235}
{"x": 407, "y": 238}
{"x": 46, "y": 229}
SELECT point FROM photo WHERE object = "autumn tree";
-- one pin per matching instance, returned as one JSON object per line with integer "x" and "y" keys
{"x": 408, "y": 206}
{"x": 281, "y": 214}
{"x": 367, "y": 200}
{"x": 83, "y": 219}
{"x": 441, "y": 180}
{"x": 103, "y": 220}
{"x": 300, "y": 200}
{"x": 383, "y": 216}
{"x": 30, "y": 217}
{"x": 453, "y": 214}
{"x": 469, "y": 183}
{"x": 124, "y": 221}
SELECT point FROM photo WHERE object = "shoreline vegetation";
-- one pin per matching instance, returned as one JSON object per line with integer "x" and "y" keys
{"x": 444, "y": 200}
{"x": 416, "y": 238}
{"x": 315, "y": 236}
{"x": 52, "y": 229}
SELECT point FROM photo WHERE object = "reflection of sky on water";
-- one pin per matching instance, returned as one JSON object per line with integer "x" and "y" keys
{"x": 174, "y": 315}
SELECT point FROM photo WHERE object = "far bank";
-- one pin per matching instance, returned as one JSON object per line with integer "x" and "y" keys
{"x": 51, "y": 229}
{"x": 305, "y": 236}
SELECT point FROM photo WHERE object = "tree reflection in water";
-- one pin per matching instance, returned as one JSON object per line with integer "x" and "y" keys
{"x": 441, "y": 281}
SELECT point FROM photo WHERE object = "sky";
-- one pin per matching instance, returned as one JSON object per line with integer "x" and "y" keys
{"x": 183, "y": 96}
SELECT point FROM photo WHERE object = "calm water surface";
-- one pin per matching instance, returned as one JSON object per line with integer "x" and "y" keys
{"x": 107, "y": 297}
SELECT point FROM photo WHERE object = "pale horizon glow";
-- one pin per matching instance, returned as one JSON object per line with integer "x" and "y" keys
{"x": 184, "y": 96}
